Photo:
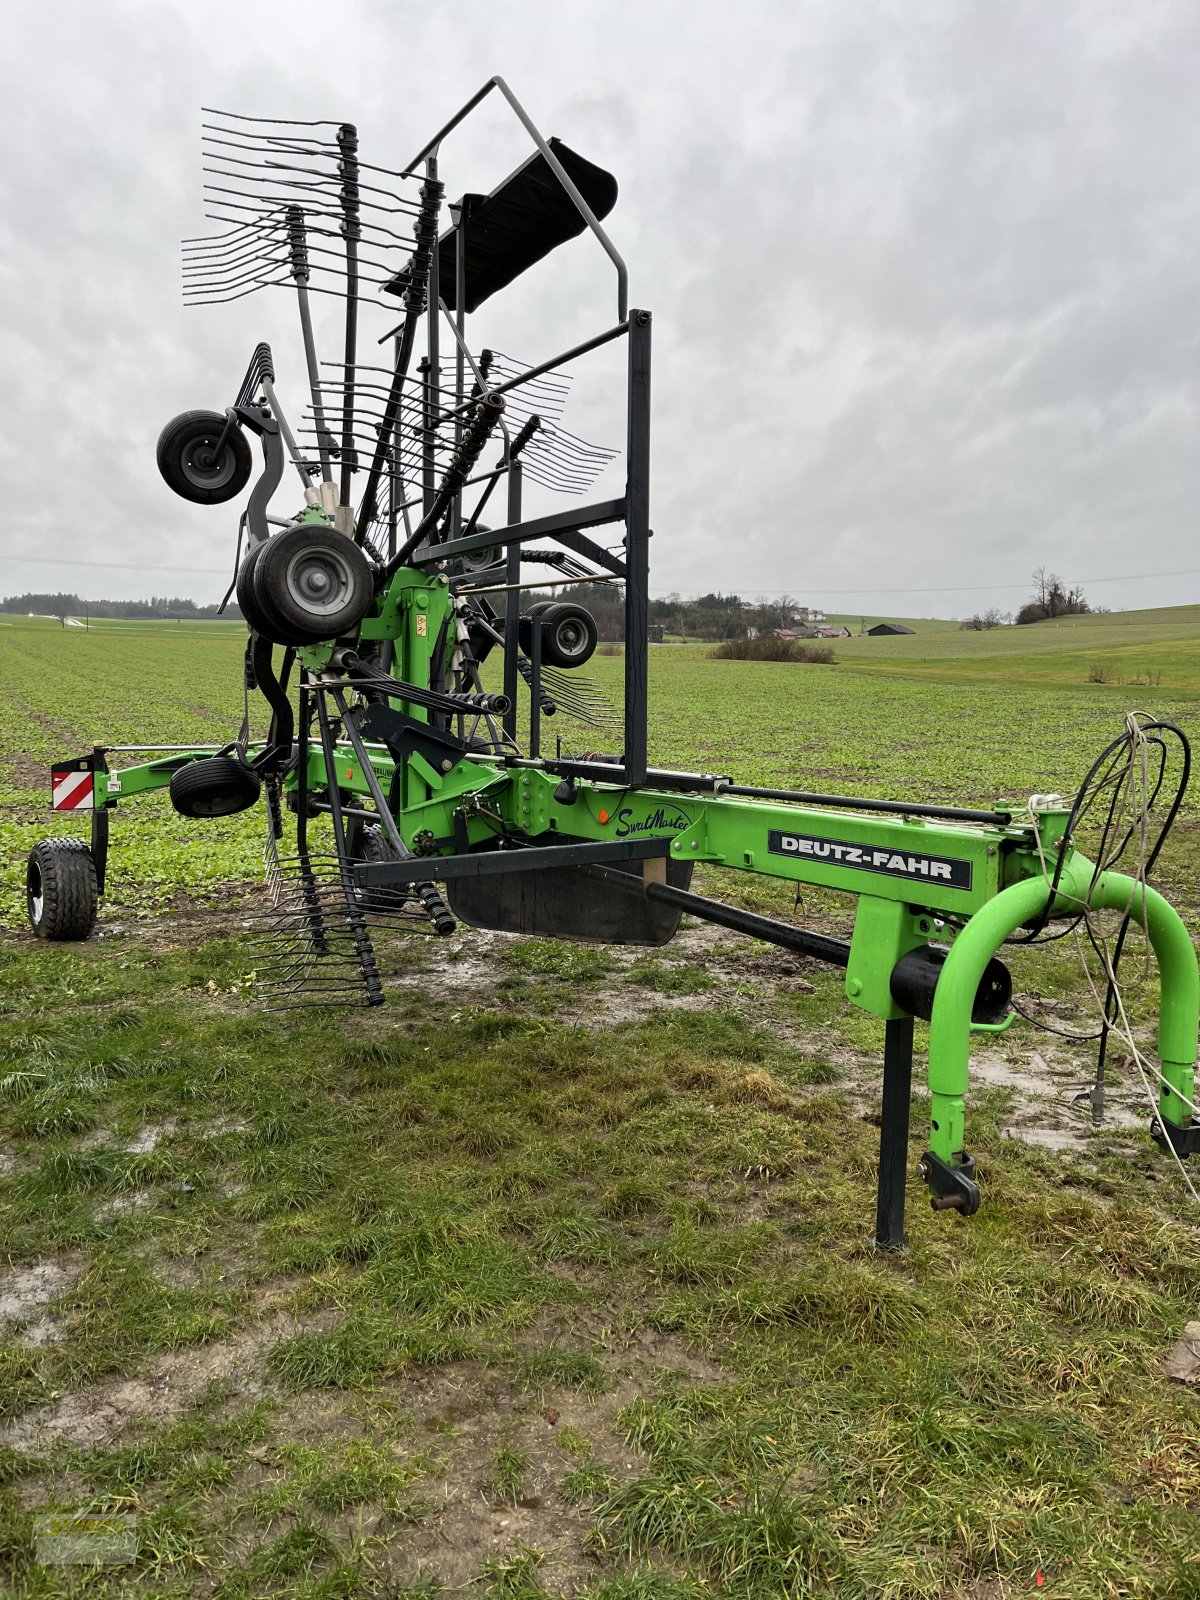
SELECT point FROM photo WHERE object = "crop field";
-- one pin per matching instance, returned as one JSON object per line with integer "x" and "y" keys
{"x": 552, "y": 1276}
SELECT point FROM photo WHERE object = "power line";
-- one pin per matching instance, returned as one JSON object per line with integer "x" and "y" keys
{"x": 124, "y": 566}
{"x": 958, "y": 588}
{"x": 809, "y": 588}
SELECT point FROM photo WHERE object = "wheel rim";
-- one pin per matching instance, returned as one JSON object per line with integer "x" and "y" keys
{"x": 319, "y": 581}
{"x": 216, "y": 806}
{"x": 37, "y": 899}
{"x": 203, "y": 466}
{"x": 571, "y": 637}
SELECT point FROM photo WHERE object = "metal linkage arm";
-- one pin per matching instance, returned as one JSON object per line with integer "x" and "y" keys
{"x": 487, "y": 414}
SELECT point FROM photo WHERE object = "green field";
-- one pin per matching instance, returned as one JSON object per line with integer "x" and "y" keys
{"x": 552, "y": 1276}
{"x": 886, "y": 720}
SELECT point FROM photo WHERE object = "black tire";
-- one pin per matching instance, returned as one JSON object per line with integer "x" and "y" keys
{"x": 311, "y": 583}
{"x": 525, "y": 624}
{"x": 568, "y": 635}
{"x": 374, "y": 845}
{"x": 189, "y": 465}
{"x": 214, "y": 786}
{"x": 244, "y": 592}
{"x": 60, "y": 889}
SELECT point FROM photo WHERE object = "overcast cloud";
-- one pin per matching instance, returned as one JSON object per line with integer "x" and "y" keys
{"x": 924, "y": 274}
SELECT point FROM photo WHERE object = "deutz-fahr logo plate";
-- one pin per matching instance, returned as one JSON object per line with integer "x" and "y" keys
{"x": 948, "y": 870}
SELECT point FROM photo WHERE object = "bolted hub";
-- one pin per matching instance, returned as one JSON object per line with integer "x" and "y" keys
{"x": 319, "y": 580}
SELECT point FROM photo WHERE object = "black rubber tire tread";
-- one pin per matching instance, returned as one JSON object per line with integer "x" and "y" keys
{"x": 374, "y": 845}
{"x": 290, "y": 620}
{"x": 214, "y": 786}
{"x": 552, "y": 619}
{"x": 244, "y": 592}
{"x": 184, "y": 431}
{"x": 525, "y": 624}
{"x": 65, "y": 874}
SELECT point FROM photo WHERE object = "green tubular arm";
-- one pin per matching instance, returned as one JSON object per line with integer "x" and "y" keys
{"x": 950, "y": 1028}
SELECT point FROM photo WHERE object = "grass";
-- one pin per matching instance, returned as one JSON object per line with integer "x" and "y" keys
{"x": 342, "y": 1294}
{"x": 990, "y": 1401}
{"x": 886, "y": 719}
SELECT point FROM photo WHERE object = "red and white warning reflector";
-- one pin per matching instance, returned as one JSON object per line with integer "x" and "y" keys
{"x": 73, "y": 788}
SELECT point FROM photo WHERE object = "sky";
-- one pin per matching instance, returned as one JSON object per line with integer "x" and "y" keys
{"x": 923, "y": 275}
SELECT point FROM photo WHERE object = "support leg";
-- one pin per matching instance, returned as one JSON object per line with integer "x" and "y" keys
{"x": 893, "y": 1133}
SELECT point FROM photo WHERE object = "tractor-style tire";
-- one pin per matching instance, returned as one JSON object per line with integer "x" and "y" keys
{"x": 61, "y": 894}
{"x": 192, "y": 466}
{"x": 311, "y": 583}
{"x": 374, "y": 845}
{"x": 214, "y": 786}
{"x": 568, "y": 635}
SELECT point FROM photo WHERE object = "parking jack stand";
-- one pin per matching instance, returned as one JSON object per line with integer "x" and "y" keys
{"x": 893, "y": 1133}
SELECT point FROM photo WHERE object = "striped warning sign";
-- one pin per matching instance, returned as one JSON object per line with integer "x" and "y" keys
{"x": 72, "y": 790}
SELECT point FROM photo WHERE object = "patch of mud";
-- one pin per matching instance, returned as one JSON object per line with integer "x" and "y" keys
{"x": 141, "y": 1144}
{"x": 218, "y": 1127}
{"x": 147, "y": 1139}
{"x": 124, "y": 1205}
{"x": 101, "y": 1413}
{"x": 468, "y": 1415}
{"x": 25, "y": 1292}
{"x": 1047, "y": 1112}
{"x": 185, "y": 922}
{"x": 29, "y": 774}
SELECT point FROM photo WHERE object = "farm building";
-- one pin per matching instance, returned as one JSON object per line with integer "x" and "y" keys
{"x": 883, "y": 628}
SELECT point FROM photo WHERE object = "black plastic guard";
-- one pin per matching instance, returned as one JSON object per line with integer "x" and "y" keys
{"x": 523, "y": 219}
{"x": 564, "y": 903}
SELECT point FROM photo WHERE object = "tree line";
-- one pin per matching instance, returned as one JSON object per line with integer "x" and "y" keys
{"x": 166, "y": 608}
{"x": 712, "y": 617}
{"x": 1051, "y": 598}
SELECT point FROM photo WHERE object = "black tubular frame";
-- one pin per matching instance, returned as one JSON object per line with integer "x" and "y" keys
{"x": 438, "y": 534}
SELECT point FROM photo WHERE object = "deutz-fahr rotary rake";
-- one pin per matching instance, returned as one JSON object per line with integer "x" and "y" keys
{"x": 393, "y": 758}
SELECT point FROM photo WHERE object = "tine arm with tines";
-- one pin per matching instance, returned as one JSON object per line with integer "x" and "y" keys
{"x": 299, "y": 259}
{"x": 416, "y": 296}
{"x": 487, "y": 413}
{"x": 347, "y": 137}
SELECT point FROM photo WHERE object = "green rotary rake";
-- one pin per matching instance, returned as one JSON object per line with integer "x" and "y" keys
{"x": 402, "y": 776}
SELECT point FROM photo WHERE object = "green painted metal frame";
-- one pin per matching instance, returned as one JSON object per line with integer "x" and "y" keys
{"x": 1009, "y": 886}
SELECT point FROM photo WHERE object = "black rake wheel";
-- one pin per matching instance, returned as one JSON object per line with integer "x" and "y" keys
{"x": 214, "y": 786}
{"x": 525, "y": 624}
{"x": 197, "y": 465}
{"x": 568, "y": 635}
{"x": 255, "y": 617}
{"x": 310, "y": 583}
{"x": 60, "y": 889}
{"x": 374, "y": 845}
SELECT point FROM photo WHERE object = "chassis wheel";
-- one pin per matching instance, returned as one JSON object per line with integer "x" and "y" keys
{"x": 311, "y": 583}
{"x": 244, "y": 592}
{"x": 214, "y": 786}
{"x": 568, "y": 635}
{"x": 192, "y": 465}
{"x": 525, "y": 624}
{"x": 374, "y": 845}
{"x": 60, "y": 889}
